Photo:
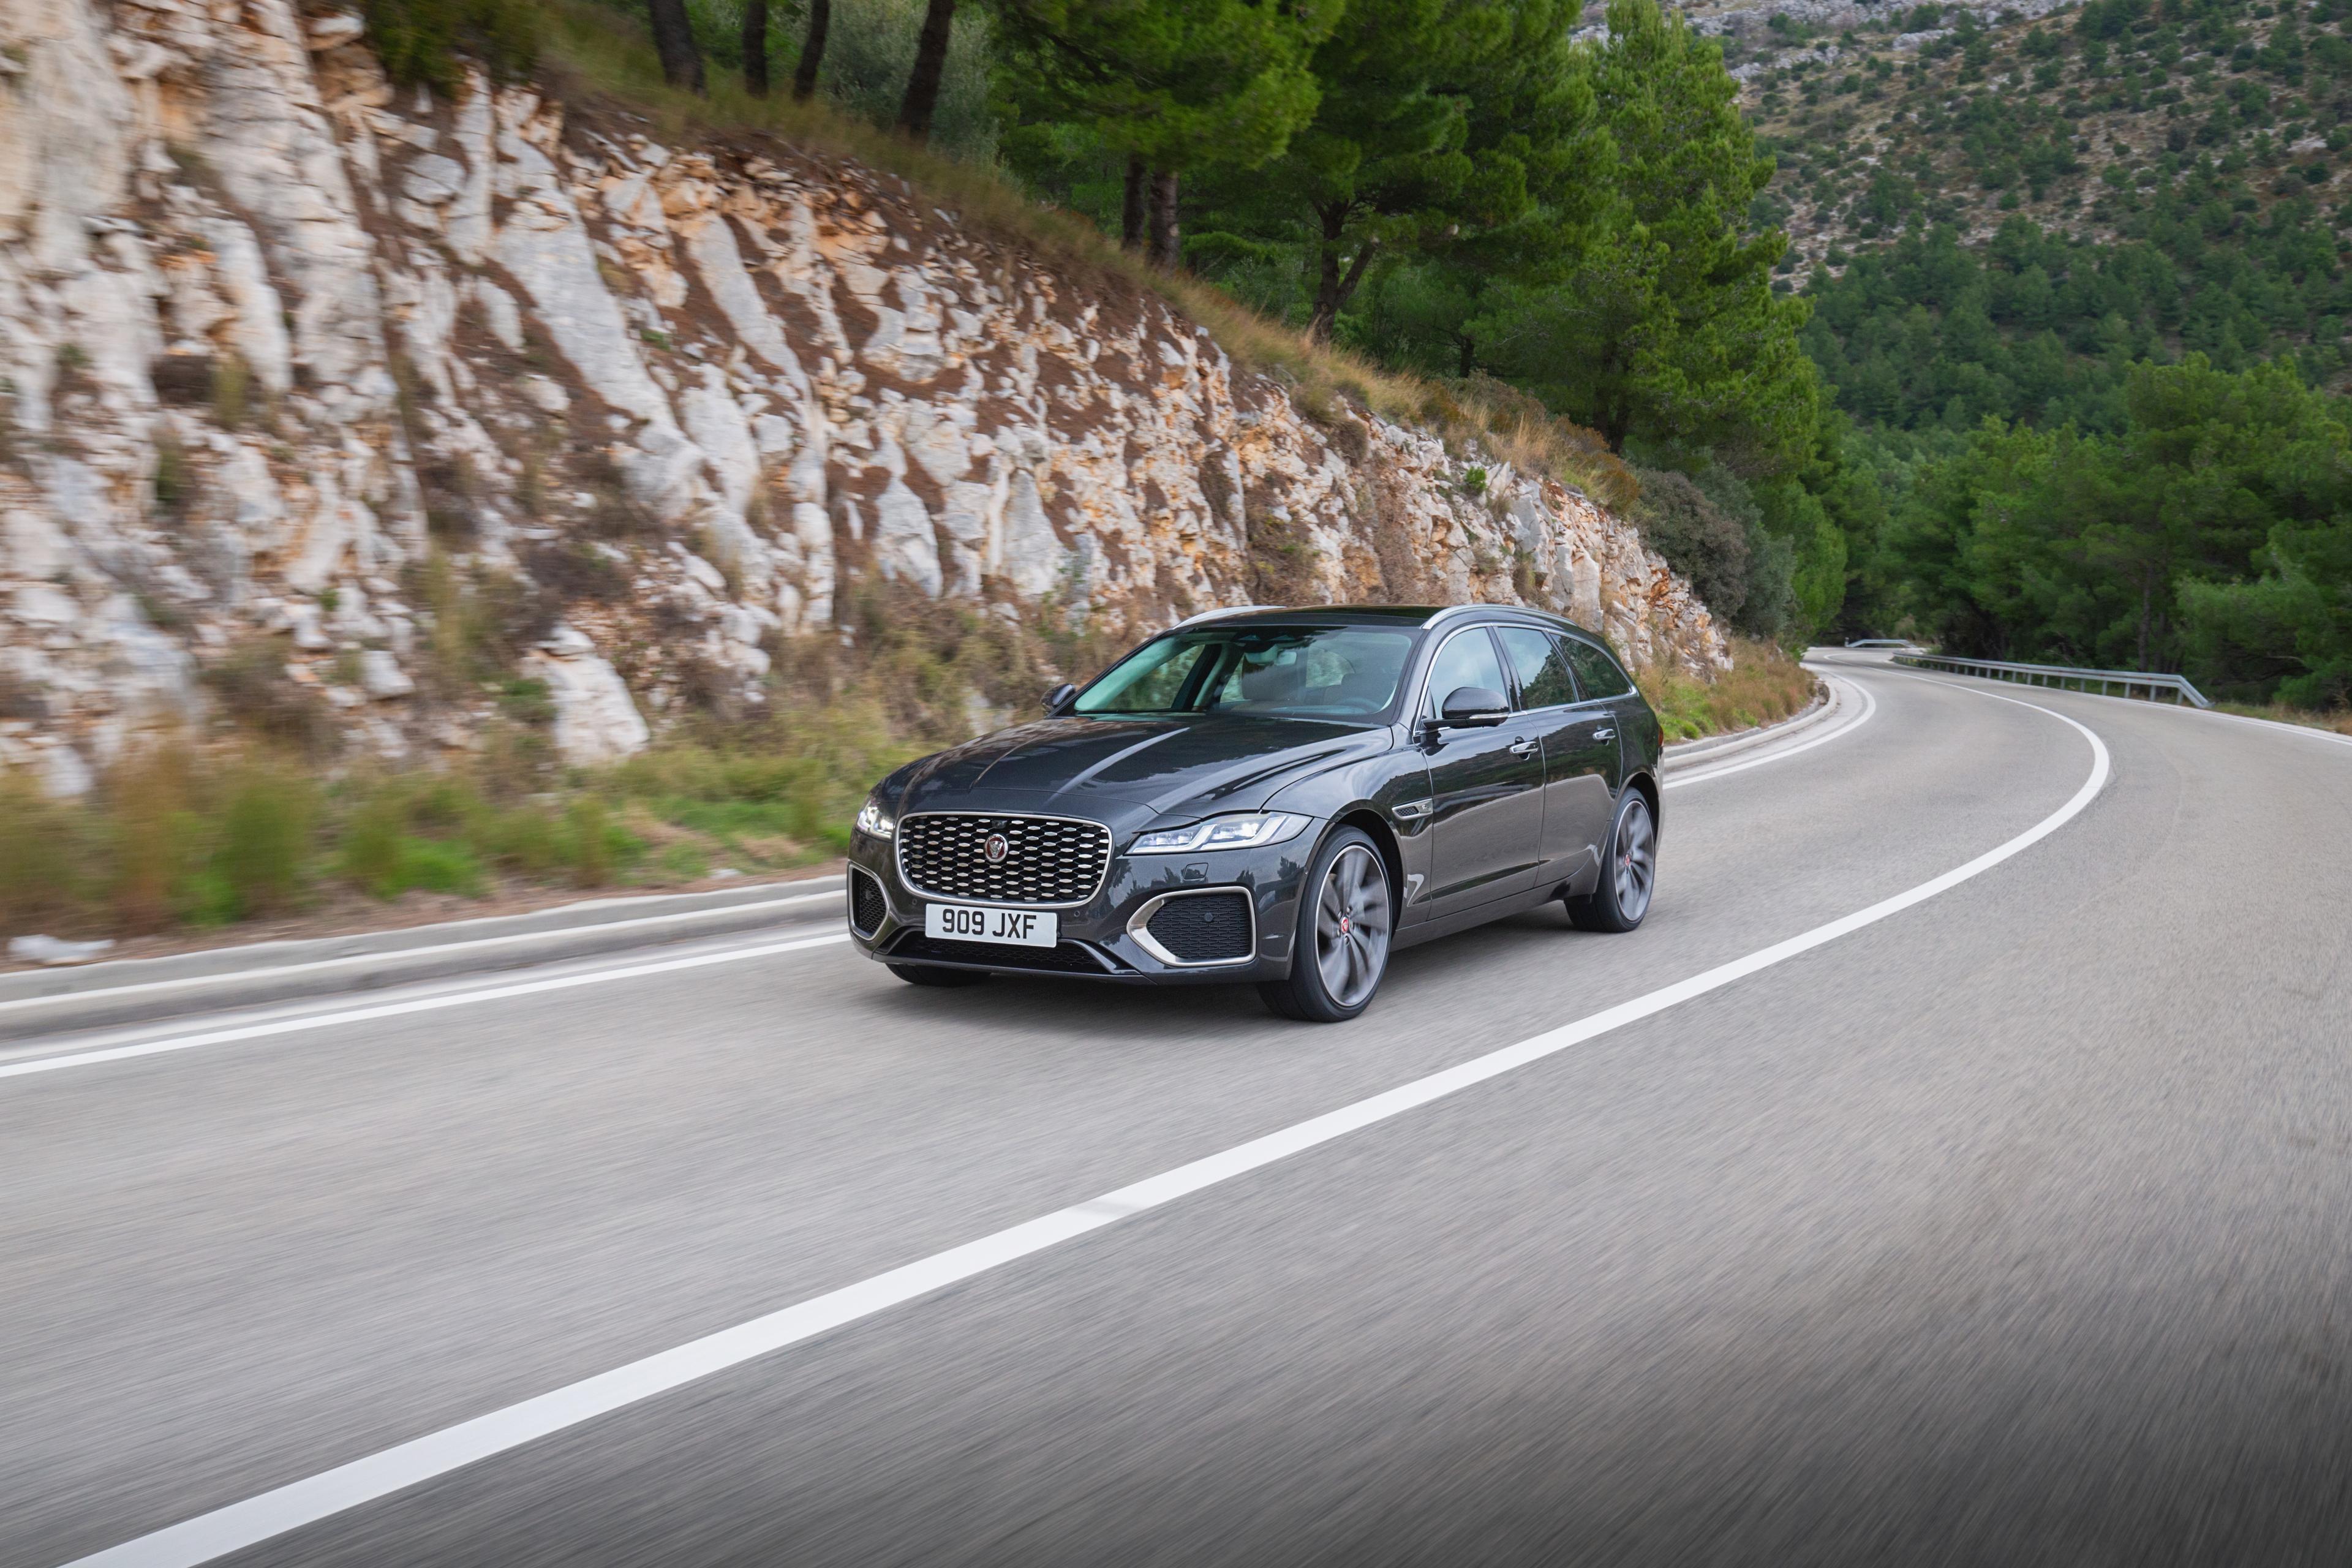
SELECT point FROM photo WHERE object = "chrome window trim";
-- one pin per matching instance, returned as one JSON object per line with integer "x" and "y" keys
{"x": 1102, "y": 875}
{"x": 1600, "y": 645}
{"x": 1420, "y": 709}
{"x": 1502, "y": 648}
{"x": 1139, "y": 926}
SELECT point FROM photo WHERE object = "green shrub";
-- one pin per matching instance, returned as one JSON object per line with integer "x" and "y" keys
{"x": 421, "y": 40}
{"x": 43, "y": 862}
{"x": 265, "y": 838}
{"x": 683, "y": 862}
{"x": 589, "y": 843}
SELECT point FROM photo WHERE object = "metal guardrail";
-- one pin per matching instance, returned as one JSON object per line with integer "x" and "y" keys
{"x": 1878, "y": 642}
{"x": 2064, "y": 676}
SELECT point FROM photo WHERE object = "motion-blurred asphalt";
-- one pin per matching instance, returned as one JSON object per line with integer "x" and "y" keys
{"x": 2015, "y": 1228}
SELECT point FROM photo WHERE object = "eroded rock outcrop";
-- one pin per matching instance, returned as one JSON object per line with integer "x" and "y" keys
{"x": 273, "y": 333}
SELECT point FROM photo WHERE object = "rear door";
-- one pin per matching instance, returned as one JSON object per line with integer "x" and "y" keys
{"x": 1487, "y": 796}
{"x": 1608, "y": 692}
{"x": 1579, "y": 751}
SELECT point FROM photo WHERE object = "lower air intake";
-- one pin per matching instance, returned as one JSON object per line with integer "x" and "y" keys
{"x": 1204, "y": 928}
{"x": 867, "y": 906}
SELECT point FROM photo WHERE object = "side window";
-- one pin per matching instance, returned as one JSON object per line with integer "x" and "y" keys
{"x": 1595, "y": 670}
{"x": 1466, "y": 659}
{"x": 1541, "y": 668}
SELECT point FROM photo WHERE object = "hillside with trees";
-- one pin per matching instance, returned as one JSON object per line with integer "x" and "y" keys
{"x": 1836, "y": 294}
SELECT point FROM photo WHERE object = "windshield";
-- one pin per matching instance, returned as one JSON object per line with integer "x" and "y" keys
{"x": 1302, "y": 672}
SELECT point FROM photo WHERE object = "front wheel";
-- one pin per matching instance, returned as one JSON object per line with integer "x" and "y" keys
{"x": 1341, "y": 949}
{"x": 1628, "y": 872}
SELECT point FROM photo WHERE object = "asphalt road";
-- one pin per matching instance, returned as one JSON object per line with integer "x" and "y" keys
{"x": 2014, "y": 1226}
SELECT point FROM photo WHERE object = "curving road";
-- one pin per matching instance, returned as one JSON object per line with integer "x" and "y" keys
{"x": 1957, "y": 1168}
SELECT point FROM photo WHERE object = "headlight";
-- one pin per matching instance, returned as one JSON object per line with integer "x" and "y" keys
{"x": 1222, "y": 833}
{"x": 874, "y": 819}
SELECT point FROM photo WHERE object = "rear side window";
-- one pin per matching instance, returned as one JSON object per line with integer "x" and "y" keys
{"x": 1539, "y": 665}
{"x": 1595, "y": 670}
{"x": 1468, "y": 659}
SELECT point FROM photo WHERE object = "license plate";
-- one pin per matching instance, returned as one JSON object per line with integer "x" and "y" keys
{"x": 972, "y": 922}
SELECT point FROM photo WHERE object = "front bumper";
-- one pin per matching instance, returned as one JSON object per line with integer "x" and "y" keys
{"x": 1107, "y": 937}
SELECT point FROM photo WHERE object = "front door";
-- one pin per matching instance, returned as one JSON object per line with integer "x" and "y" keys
{"x": 1485, "y": 789}
{"x": 1580, "y": 749}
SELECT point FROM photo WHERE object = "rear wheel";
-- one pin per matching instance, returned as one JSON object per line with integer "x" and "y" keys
{"x": 1629, "y": 872}
{"x": 1342, "y": 946}
{"x": 924, "y": 974}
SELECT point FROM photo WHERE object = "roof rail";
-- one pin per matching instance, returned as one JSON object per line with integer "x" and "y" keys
{"x": 1226, "y": 610}
{"x": 1451, "y": 610}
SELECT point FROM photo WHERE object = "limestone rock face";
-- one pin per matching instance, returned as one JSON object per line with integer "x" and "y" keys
{"x": 595, "y": 721}
{"x": 280, "y": 346}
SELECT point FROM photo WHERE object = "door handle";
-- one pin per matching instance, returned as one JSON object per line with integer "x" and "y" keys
{"x": 1604, "y": 734}
{"x": 1522, "y": 748}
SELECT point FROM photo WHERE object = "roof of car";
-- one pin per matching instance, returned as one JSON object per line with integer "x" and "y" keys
{"x": 1374, "y": 614}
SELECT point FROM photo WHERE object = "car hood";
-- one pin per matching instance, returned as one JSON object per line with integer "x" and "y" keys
{"x": 1132, "y": 769}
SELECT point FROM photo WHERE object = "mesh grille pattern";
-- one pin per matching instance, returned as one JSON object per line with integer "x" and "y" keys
{"x": 866, "y": 907}
{"x": 1204, "y": 927}
{"x": 1070, "y": 958}
{"x": 1046, "y": 860}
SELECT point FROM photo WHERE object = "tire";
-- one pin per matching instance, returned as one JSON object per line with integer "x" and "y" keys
{"x": 1345, "y": 918}
{"x": 1629, "y": 872}
{"x": 924, "y": 974}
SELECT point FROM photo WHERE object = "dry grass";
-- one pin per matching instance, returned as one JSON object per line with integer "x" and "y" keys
{"x": 1765, "y": 684}
{"x": 590, "y": 50}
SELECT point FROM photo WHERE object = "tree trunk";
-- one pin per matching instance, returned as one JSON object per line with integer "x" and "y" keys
{"x": 755, "y": 48}
{"x": 1167, "y": 249}
{"x": 812, "y": 50}
{"x": 1334, "y": 288}
{"x": 1130, "y": 206}
{"x": 1467, "y": 358}
{"x": 922, "y": 98}
{"x": 681, "y": 62}
{"x": 1615, "y": 425}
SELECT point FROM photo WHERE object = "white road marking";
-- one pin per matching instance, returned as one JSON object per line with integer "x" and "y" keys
{"x": 271, "y": 1027}
{"x": 1870, "y": 707}
{"x": 273, "y": 1513}
{"x": 350, "y": 960}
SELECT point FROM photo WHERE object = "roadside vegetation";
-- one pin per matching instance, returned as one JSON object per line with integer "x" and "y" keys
{"x": 1764, "y": 685}
{"x": 270, "y": 820}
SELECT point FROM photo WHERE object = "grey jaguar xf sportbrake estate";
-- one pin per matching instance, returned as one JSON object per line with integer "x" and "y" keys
{"x": 1279, "y": 796}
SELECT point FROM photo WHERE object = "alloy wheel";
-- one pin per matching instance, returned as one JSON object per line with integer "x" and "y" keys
{"x": 1352, "y": 925}
{"x": 1637, "y": 860}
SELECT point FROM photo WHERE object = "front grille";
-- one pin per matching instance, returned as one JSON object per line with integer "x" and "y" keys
{"x": 1204, "y": 928}
{"x": 1046, "y": 859}
{"x": 1070, "y": 958}
{"x": 867, "y": 906}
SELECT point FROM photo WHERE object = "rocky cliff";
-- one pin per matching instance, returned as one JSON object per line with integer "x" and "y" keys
{"x": 276, "y": 336}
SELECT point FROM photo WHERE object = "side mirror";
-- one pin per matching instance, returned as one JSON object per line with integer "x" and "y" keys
{"x": 1060, "y": 697}
{"x": 1473, "y": 707}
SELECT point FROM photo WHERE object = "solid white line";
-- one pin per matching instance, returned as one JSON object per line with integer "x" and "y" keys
{"x": 273, "y": 1513}
{"x": 1870, "y": 707}
{"x": 348, "y": 959}
{"x": 275, "y": 1026}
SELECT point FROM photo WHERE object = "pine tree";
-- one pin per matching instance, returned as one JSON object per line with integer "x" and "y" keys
{"x": 1658, "y": 321}
{"x": 1173, "y": 85}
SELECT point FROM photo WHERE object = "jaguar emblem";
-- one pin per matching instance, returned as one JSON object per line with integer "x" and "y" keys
{"x": 995, "y": 848}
